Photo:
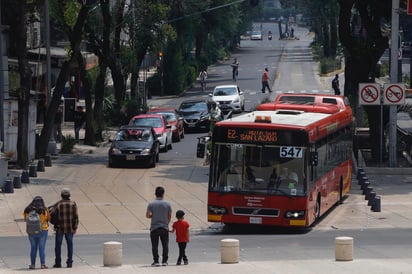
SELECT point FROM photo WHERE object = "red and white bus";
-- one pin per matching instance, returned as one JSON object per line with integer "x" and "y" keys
{"x": 284, "y": 164}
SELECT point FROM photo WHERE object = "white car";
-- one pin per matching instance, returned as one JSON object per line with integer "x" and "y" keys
{"x": 229, "y": 98}
{"x": 256, "y": 35}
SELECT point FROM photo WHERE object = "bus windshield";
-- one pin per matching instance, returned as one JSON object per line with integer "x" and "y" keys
{"x": 260, "y": 169}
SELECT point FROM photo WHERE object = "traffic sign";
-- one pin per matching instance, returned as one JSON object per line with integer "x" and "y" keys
{"x": 394, "y": 94}
{"x": 369, "y": 94}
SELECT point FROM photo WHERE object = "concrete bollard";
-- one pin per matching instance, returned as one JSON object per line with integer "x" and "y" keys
{"x": 40, "y": 165}
{"x": 376, "y": 206}
{"x": 362, "y": 180}
{"x": 361, "y": 172}
{"x": 344, "y": 248}
{"x": 364, "y": 185}
{"x": 25, "y": 179}
{"x": 112, "y": 253}
{"x": 47, "y": 160}
{"x": 16, "y": 182}
{"x": 8, "y": 187}
{"x": 229, "y": 251}
{"x": 368, "y": 191}
{"x": 33, "y": 171}
{"x": 371, "y": 199}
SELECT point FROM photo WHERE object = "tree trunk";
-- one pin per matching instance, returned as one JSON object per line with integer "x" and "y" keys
{"x": 364, "y": 49}
{"x": 75, "y": 40}
{"x": 19, "y": 24}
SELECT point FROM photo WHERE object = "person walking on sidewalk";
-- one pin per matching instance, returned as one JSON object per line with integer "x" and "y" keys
{"x": 37, "y": 217}
{"x": 181, "y": 226}
{"x": 67, "y": 223}
{"x": 265, "y": 80}
{"x": 160, "y": 213}
{"x": 335, "y": 85}
{"x": 235, "y": 69}
{"x": 79, "y": 118}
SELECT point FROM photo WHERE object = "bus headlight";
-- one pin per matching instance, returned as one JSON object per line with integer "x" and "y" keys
{"x": 217, "y": 210}
{"x": 295, "y": 214}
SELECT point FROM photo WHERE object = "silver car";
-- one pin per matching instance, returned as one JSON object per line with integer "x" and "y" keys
{"x": 229, "y": 98}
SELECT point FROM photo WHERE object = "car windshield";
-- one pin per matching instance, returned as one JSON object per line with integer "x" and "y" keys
{"x": 225, "y": 92}
{"x": 256, "y": 33}
{"x": 147, "y": 121}
{"x": 134, "y": 135}
{"x": 171, "y": 117}
{"x": 193, "y": 106}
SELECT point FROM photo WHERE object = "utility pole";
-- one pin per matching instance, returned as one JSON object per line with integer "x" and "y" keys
{"x": 393, "y": 79}
{"x": 1, "y": 85}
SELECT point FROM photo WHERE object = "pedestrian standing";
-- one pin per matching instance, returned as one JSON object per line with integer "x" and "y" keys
{"x": 181, "y": 226}
{"x": 58, "y": 120}
{"x": 160, "y": 213}
{"x": 67, "y": 223}
{"x": 335, "y": 85}
{"x": 265, "y": 80}
{"x": 37, "y": 217}
{"x": 202, "y": 78}
{"x": 79, "y": 118}
{"x": 235, "y": 69}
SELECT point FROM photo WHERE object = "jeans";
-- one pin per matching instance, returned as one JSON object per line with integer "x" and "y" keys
{"x": 77, "y": 133}
{"x": 163, "y": 234}
{"x": 38, "y": 242}
{"x": 182, "y": 252}
{"x": 58, "y": 245}
{"x": 265, "y": 84}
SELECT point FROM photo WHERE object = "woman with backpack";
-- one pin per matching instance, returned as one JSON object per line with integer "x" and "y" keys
{"x": 37, "y": 218}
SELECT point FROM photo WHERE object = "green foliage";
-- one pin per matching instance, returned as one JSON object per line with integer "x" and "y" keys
{"x": 67, "y": 144}
{"x": 328, "y": 65}
{"x": 192, "y": 73}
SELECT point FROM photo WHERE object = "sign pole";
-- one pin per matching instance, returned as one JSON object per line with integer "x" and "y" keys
{"x": 394, "y": 78}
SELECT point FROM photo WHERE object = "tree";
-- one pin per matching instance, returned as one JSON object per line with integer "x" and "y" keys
{"x": 18, "y": 10}
{"x": 362, "y": 36}
{"x": 75, "y": 34}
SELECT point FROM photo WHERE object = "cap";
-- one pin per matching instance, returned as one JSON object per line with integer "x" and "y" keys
{"x": 180, "y": 214}
{"x": 65, "y": 192}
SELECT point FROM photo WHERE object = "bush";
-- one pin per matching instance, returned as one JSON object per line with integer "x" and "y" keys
{"x": 67, "y": 144}
{"x": 328, "y": 65}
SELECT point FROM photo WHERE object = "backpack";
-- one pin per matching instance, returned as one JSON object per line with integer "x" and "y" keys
{"x": 33, "y": 223}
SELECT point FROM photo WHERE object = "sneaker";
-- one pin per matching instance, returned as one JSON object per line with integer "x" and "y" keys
{"x": 164, "y": 264}
{"x": 43, "y": 266}
{"x": 69, "y": 265}
{"x": 57, "y": 266}
{"x": 186, "y": 262}
{"x": 178, "y": 263}
{"x": 155, "y": 264}
{"x": 32, "y": 267}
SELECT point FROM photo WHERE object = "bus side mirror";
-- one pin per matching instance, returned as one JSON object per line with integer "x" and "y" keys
{"x": 314, "y": 158}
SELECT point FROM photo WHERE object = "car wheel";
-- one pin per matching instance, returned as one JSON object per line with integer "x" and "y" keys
{"x": 112, "y": 163}
{"x": 152, "y": 161}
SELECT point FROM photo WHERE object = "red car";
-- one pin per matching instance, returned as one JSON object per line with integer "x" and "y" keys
{"x": 173, "y": 119}
{"x": 159, "y": 123}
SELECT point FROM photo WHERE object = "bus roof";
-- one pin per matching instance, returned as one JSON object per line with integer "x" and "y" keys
{"x": 296, "y": 118}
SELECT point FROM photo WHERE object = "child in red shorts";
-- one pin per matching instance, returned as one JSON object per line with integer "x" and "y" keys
{"x": 181, "y": 226}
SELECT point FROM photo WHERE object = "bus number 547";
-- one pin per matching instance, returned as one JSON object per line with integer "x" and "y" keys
{"x": 290, "y": 152}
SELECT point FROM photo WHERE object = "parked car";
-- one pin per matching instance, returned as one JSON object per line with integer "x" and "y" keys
{"x": 173, "y": 119}
{"x": 159, "y": 124}
{"x": 229, "y": 98}
{"x": 134, "y": 144}
{"x": 196, "y": 114}
{"x": 256, "y": 35}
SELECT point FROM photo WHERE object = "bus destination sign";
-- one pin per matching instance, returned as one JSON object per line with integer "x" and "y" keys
{"x": 252, "y": 135}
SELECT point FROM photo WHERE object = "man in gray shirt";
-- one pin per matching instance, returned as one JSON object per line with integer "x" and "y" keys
{"x": 160, "y": 213}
